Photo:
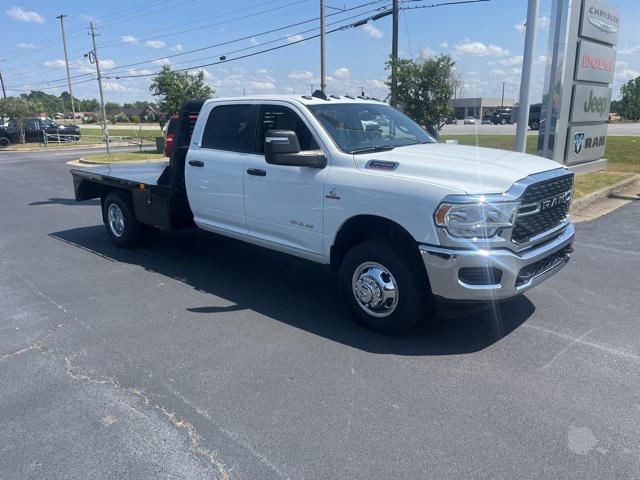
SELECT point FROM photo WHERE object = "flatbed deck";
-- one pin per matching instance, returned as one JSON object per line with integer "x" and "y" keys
{"x": 138, "y": 173}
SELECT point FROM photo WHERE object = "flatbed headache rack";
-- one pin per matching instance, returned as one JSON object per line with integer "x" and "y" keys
{"x": 155, "y": 191}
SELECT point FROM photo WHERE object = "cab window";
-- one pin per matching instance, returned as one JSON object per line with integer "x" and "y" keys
{"x": 230, "y": 127}
{"x": 278, "y": 117}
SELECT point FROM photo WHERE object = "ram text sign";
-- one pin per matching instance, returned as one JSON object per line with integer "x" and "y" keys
{"x": 586, "y": 143}
{"x": 600, "y": 21}
{"x": 590, "y": 103}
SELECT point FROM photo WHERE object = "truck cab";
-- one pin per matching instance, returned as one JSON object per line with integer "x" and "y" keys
{"x": 358, "y": 186}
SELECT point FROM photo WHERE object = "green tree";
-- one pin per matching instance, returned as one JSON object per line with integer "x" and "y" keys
{"x": 629, "y": 105}
{"x": 175, "y": 88}
{"x": 424, "y": 87}
{"x": 19, "y": 108}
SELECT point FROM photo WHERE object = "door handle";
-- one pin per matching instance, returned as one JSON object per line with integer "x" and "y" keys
{"x": 258, "y": 172}
{"x": 196, "y": 163}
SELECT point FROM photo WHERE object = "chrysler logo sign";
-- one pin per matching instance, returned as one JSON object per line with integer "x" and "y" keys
{"x": 605, "y": 27}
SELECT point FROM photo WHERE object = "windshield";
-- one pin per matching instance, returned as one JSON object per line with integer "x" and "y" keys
{"x": 364, "y": 127}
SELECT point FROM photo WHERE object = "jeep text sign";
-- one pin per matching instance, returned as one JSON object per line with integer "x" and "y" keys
{"x": 595, "y": 63}
{"x": 600, "y": 21}
{"x": 586, "y": 143}
{"x": 590, "y": 103}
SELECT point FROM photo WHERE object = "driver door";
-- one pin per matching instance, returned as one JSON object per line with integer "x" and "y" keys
{"x": 284, "y": 204}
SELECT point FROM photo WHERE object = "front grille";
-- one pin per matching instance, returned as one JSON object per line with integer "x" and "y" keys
{"x": 541, "y": 266}
{"x": 527, "y": 226}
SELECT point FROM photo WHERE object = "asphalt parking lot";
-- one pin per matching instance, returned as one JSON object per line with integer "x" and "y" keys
{"x": 202, "y": 357}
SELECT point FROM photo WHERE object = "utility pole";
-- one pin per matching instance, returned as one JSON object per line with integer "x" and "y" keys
{"x": 323, "y": 73}
{"x": 94, "y": 52}
{"x": 395, "y": 12}
{"x": 66, "y": 61}
{"x": 4, "y": 93}
{"x": 502, "y": 103}
{"x": 527, "y": 67}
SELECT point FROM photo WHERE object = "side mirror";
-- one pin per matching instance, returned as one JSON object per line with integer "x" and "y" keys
{"x": 281, "y": 147}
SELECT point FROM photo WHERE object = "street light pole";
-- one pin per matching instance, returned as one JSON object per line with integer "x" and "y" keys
{"x": 502, "y": 103}
{"x": 66, "y": 61}
{"x": 527, "y": 68}
{"x": 394, "y": 53}
{"x": 4, "y": 93}
{"x": 94, "y": 52}
{"x": 323, "y": 73}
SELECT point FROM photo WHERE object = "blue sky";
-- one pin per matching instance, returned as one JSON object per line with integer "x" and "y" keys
{"x": 486, "y": 40}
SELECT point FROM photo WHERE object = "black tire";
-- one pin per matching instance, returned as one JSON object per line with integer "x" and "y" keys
{"x": 503, "y": 121}
{"x": 404, "y": 265}
{"x": 535, "y": 125}
{"x": 4, "y": 142}
{"x": 130, "y": 233}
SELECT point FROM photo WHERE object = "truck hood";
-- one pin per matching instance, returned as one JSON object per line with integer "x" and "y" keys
{"x": 473, "y": 170}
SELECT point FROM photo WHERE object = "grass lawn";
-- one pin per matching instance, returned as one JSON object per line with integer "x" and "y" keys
{"x": 123, "y": 157}
{"x": 623, "y": 154}
{"x": 96, "y": 132}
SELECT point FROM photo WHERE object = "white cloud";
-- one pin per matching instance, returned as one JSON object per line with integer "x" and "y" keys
{"x": 110, "y": 86}
{"x": 177, "y": 48}
{"x": 253, "y": 41}
{"x": 426, "y": 53}
{"x": 629, "y": 50}
{"x": 262, "y": 86}
{"x": 144, "y": 71}
{"x": 516, "y": 60}
{"x": 295, "y": 38}
{"x": 262, "y": 70}
{"x": 498, "y": 71}
{"x": 543, "y": 22}
{"x": 516, "y": 71}
{"x": 372, "y": 31}
{"x": 155, "y": 43}
{"x": 301, "y": 75}
{"x": 27, "y": 46}
{"x": 479, "y": 49}
{"x": 162, "y": 61}
{"x": 205, "y": 73}
{"x": 107, "y": 63}
{"x": 21, "y": 15}
{"x": 626, "y": 74}
{"x": 379, "y": 84}
{"x": 128, "y": 39}
{"x": 443, "y": 45}
{"x": 342, "y": 73}
{"x": 55, "y": 63}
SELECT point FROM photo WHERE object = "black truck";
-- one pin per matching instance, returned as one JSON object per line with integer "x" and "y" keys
{"x": 37, "y": 128}
{"x": 9, "y": 132}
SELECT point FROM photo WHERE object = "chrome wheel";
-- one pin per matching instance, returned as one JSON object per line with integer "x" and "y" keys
{"x": 375, "y": 289}
{"x": 115, "y": 219}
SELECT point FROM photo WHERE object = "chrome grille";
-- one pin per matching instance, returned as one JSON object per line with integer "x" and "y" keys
{"x": 532, "y": 218}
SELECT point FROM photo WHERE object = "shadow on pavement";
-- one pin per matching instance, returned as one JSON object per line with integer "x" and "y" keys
{"x": 293, "y": 291}
{"x": 65, "y": 201}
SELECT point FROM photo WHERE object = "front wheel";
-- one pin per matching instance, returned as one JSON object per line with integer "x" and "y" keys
{"x": 384, "y": 287}
{"x": 4, "y": 142}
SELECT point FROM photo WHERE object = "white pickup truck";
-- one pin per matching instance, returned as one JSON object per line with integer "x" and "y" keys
{"x": 356, "y": 185}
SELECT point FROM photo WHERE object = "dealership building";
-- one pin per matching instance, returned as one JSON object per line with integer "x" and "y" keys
{"x": 478, "y": 107}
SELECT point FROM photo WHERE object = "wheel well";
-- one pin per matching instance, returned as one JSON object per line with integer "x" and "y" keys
{"x": 363, "y": 227}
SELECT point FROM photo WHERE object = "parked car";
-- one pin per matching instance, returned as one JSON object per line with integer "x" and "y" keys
{"x": 450, "y": 121}
{"x": 35, "y": 129}
{"x": 486, "y": 120}
{"x": 502, "y": 116}
{"x": 534, "y": 116}
{"x": 469, "y": 120}
{"x": 9, "y": 132}
{"x": 303, "y": 175}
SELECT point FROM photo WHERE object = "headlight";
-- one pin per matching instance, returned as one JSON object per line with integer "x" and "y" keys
{"x": 476, "y": 220}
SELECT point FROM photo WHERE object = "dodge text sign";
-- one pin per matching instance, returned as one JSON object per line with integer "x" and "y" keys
{"x": 590, "y": 103}
{"x": 600, "y": 21}
{"x": 595, "y": 63}
{"x": 586, "y": 143}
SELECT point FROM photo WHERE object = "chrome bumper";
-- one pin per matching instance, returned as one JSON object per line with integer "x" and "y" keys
{"x": 443, "y": 266}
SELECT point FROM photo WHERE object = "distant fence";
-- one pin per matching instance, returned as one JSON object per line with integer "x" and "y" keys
{"x": 62, "y": 140}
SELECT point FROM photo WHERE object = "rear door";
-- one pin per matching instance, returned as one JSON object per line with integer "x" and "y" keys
{"x": 215, "y": 167}
{"x": 283, "y": 204}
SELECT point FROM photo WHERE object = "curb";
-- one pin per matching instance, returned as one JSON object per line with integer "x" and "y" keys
{"x": 581, "y": 205}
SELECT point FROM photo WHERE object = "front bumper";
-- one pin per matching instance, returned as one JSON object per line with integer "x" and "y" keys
{"x": 444, "y": 264}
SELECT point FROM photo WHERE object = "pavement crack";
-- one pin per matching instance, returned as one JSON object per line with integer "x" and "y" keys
{"x": 35, "y": 345}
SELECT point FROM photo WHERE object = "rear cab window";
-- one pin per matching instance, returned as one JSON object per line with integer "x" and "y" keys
{"x": 231, "y": 128}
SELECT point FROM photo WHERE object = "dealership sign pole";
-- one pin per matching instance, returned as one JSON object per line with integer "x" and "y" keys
{"x": 577, "y": 95}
